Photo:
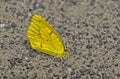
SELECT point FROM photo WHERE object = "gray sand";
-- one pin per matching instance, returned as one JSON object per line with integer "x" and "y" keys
{"x": 90, "y": 30}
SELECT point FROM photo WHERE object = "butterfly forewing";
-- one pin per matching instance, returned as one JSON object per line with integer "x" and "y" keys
{"x": 43, "y": 37}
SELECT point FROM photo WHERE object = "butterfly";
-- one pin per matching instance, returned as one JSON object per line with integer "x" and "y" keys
{"x": 43, "y": 37}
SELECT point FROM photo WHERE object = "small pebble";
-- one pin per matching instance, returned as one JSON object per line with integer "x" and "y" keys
{"x": 88, "y": 46}
{"x": 78, "y": 76}
{"x": 34, "y": 7}
{"x": 92, "y": 2}
{"x": 13, "y": 25}
{"x": 13, "y": 9}
{"x": 12, "y": 61}
{"x": 118, "y": 15}
{"x": 118, "y": 75}
{"x": 19, "y": 60}
{"x": 50, "y": 70}
{"x": 69, "y": 69}
{"x": 32, "y": 54}
{"x": 23, "y": 77}
{"x": 72, "y": 1}
{"x": 2, "y": 25}
{"x": 25, "y": 41}
{"x": 29, "y": 67}
{"x": 41, "y": 6}
{"x": 83, "y": 70}
{"x": 19, "y": 13}
{"x": 7, "y": 0}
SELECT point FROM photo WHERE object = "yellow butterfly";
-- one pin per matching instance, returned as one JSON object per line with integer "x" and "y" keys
{"x": 44, "y": 38}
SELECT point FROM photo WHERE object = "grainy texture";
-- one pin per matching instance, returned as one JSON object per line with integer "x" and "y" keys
{"x": 90, "y": 30}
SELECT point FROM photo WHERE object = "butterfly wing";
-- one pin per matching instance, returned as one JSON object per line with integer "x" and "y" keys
{"x": 44, "y": 38}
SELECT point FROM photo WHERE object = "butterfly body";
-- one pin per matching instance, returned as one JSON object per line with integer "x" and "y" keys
{"x": 44, "y": 38}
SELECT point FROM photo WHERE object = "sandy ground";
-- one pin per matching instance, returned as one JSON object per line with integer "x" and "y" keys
{"x": 90, "y": 30}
